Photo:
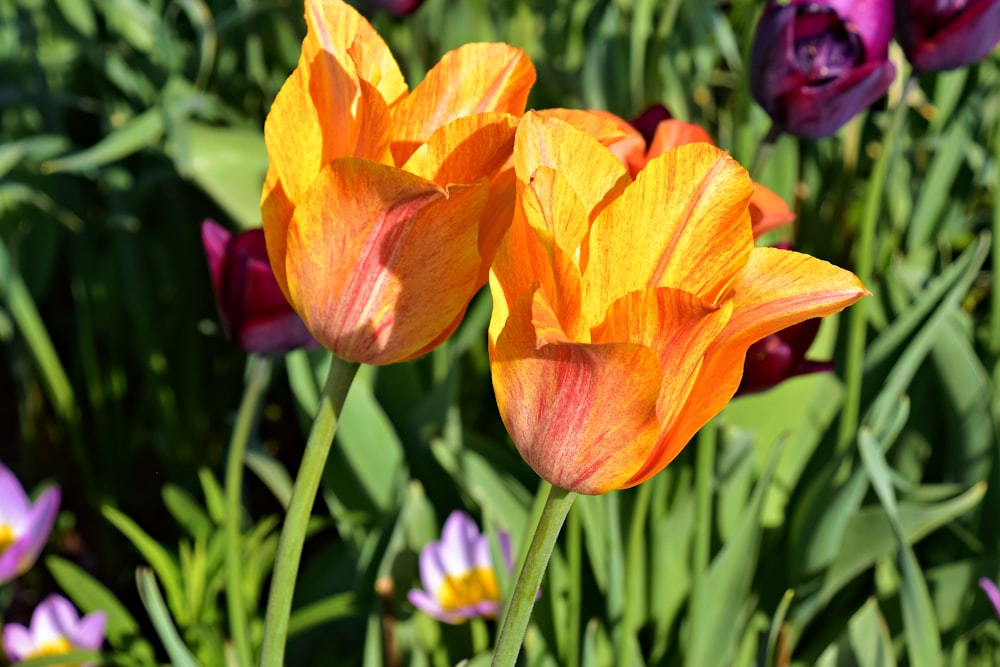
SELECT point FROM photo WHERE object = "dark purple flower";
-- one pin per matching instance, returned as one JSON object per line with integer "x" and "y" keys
{"x": 945, "y": 34}
{"x": 254, "y": 312}
{"x": 780, "y": 356}
{"x": 397, "y": 7}
{"x": 24, "y": 526}
{"x": 458, "y": 573}
{"x": 56, "y": 628}
{"x": 650, "y": 119}
{"x": 815, "y": 65}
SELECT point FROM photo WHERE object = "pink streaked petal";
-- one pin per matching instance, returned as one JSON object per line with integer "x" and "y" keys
{"x": 40, "y": 521}
{"x": 46, "y": 623}
{"x": 991, "y": 592}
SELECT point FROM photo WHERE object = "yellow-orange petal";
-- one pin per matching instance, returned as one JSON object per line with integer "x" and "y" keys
{"x": 380, "y": 263}
{"x": 683, "y": 223}
{"x": 589, "y": 168}
{"x": 337, "y": 28}
{"x": 777, "y": 289}
{"x": 768, "y": 211}
{"x": 323, "y": 111}
{"x": 465, "y": 149}
{"x": 543, "y": 246}
{"x": 474, "y": 78}
{"x": 582, "y": 416}
{"x": 678, "y": 326}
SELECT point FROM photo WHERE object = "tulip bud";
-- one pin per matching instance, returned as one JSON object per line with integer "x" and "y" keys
{"x": 254, "y": 313}
{"x": 815, "y": 65}
{"x": 781, "y": 356}
{"x": 939, "y": 35}
{"x": 397, "y": 7}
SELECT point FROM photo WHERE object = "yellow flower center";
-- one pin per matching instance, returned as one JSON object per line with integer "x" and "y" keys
{"x": 469, "y": 588}
{"x": 7, "y": 537}
{"x": 57, "y": 646}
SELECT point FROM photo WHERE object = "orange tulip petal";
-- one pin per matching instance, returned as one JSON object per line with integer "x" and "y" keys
{"x": 768, "y": 211}
{"x": 338, "y": 29}
{"x": 474, "y": 78}
{"x": 466, "y": 149}
{"x": 583, "y": 416}
{"x": 678, "y": 326}
{"x": 683, "y": 223}
{"x": 590, "y": 169}
{"x": 542, "y": 247}
{"x": 672, "y": 133}
{"x": 380, "y": 262}
{"x": 778, "y": 288}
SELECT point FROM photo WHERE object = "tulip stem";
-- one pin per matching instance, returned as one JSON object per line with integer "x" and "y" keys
{"x": 518, "y": 612}
{"x": 246, "y": 417}
{"x": 864, "y": 262}
{"x": 574, "y": 563}
{"x": 704, "y": 476}
{"x": 293, "y": 533}
{"x": 995, "y": 312}
{"x": 764, "y": 150}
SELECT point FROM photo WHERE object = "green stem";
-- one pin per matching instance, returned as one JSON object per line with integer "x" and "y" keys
{"x": 574, "y": 564}
{"x": 764, "y": 150}
{"x": 704, "y": 475}
{"x": 253, "y": 394}
{"x": 530, "y": 578}
{"x": 995, "y": 313}
{"x": 864, "y": 263}
{"x": 293, "y": 533}
{"x": 616, "y": 599}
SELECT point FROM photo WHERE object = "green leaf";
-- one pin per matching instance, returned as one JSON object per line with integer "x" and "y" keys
{"x": 923, "y": 640}
{"x": 869, "y": 639}
{"x": 186, "y": 511}
{"x": 179, "y": 654}
{"x": 158, "y": 557}
{"x": 720, "y": 601}
{"x": 229, "y": 164}
{"x": 139, "y": 132}
{"x": 90, "y": 595}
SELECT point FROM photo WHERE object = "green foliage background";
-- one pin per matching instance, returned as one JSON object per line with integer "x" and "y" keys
{"x": 775, "y": 539}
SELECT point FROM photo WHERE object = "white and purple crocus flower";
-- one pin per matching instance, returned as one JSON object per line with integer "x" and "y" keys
{"x": 24, "y": 526}
{"x": 459, "y": 578}
{"x": 56, "y": 629}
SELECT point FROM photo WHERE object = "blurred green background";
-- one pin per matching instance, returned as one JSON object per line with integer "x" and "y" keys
{"x": 773, "y": 541}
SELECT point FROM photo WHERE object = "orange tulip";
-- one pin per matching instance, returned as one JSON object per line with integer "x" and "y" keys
{"x": 623, "y": 310}
{"x": 382, "y": 207}
{"x": 768, "y": 211}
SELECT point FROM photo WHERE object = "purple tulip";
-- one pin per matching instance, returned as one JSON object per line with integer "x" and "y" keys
{"x": 815, "y": 65}
{"x": 778, "y": 357}
{"x": 945, "y": 34}
{"x": 56, "y": 628}
{"x": 254, "y": 312}
{"x": 458, "y": 575}
{"x": 397, "y": 7}
{"x": 24, "y": 527}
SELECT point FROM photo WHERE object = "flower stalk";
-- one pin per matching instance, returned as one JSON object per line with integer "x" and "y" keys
{"x": 253, "y": 395}
{"x": 515, "y": 622}
{"x": 293, "y": 533}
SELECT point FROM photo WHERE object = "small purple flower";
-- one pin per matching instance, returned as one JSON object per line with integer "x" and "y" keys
{"x": 458, "y": 575}
{"x": 992, "y": 593}
{"x": 780, "y": 356}
{"x": 56, "y": 628}
{"x": 816, "y": 64}
{"x": 947, "y": 34}
{"x": 254, "y": 312}
{"x": 24, "y": 527}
